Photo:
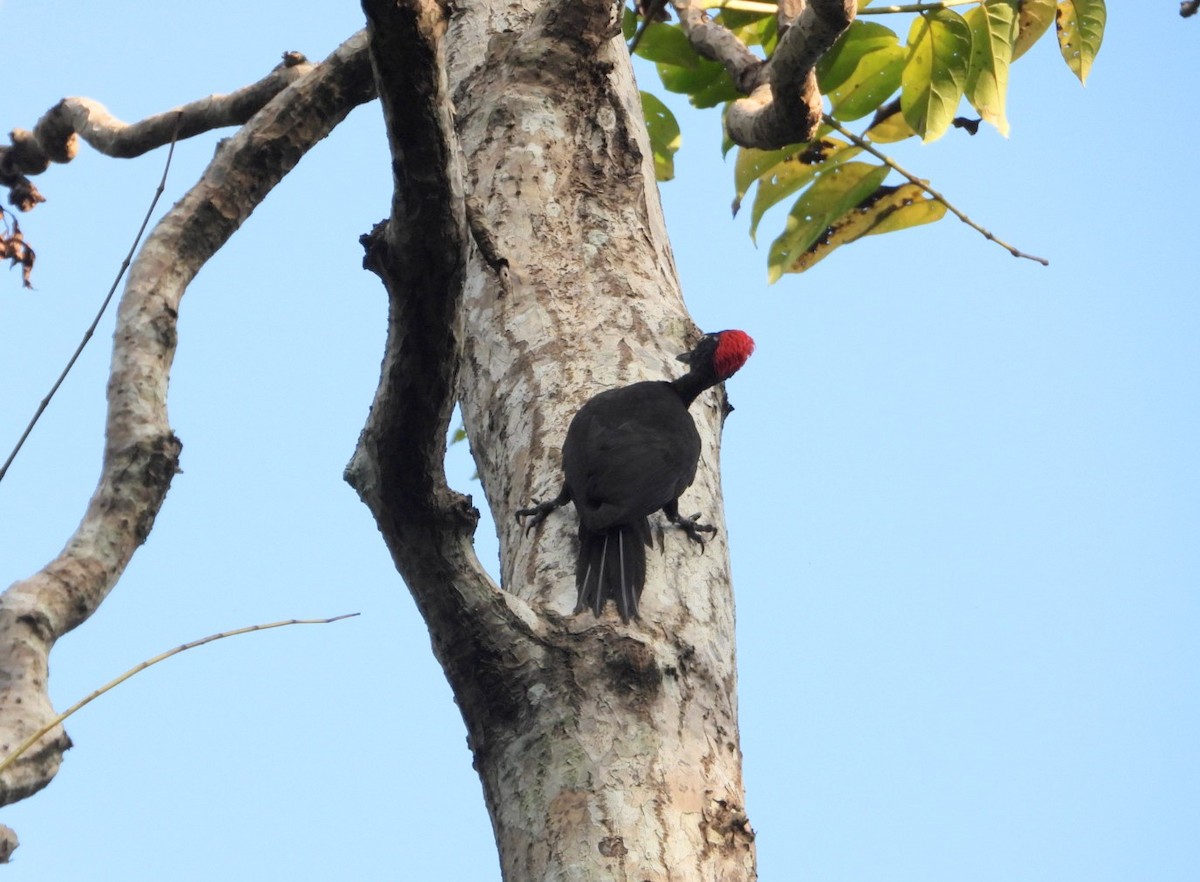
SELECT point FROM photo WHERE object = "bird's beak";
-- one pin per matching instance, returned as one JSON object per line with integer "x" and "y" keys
{"x": 686, "y": 357}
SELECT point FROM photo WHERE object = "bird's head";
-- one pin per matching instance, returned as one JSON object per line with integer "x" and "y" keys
{"x": 723, "y": 351}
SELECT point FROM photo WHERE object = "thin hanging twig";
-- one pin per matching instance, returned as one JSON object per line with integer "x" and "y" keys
{"x": 924, "y": 185}
{"x": 162, "y": 184}
{"x": 137, "y": 669}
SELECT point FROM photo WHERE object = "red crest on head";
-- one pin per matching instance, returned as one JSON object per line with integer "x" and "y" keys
{"x": 733, "y": 348}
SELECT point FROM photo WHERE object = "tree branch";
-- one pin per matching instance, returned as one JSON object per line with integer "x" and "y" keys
{"x": 141, "y": 452}
{"x": 420, "y": 254}
{"x": 866, "y": 145}
{"x": 785, "y": 107}
{"x": 717, "y": 43}
{"x": 55, "y": 138}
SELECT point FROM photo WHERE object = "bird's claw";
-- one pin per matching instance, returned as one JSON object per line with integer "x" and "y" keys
{"x": 694, "y": 529}
{"x": 537, "y": 513}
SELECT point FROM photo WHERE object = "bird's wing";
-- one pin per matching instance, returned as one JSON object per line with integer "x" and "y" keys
{"x": 633, "y": 463}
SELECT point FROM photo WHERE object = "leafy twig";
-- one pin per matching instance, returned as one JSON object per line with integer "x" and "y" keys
{"x": 137, "y": 669}
{"x": 924, "y": 185}
{"x": 162, "y": 184}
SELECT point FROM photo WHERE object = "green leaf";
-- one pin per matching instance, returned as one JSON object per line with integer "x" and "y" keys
{"x": 664, "y": 135}
{"x": 993, "y": 29}
{"x": 751, "y": 164}
{"x": 861, "y": 38}
{"x": 821, "y": 206}
{"x": 1033, "y": 18}
{"x": 706, "y": 85}
{"x": 666, "y": 44}
{"x": 1080, "y": 33}
{"x": 935, "y": 72}
{"x": 817, "y": 160}
{"x": 861, "y": 70}
{"x": 629, "y": 23}
{"x": 752, "y": 28}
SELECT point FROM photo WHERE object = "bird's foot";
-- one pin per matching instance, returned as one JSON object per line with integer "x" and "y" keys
{"x": 536, "y": 513}
{"x": 539, "y": 511}
{"x": 694, "y": 528}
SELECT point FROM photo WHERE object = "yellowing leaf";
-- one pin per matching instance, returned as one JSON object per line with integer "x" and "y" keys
{"x": 993, "y": 29}
{"x": 664, "y": 135}
{"x": 935, "y": 72}
{"x": 902, "y": 207}
{"x": 1033, "y": 18}
{"x": 1080, "y": 33}
{"x": 822, "y": 205}
{"x": 890, "y": 129}
{"x": 886, "y": 210}
{"x": 751, "y": 164}
{"x": 819, "y": 159}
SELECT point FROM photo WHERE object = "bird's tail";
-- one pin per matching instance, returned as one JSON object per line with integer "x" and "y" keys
{"x": 612, "y": 564}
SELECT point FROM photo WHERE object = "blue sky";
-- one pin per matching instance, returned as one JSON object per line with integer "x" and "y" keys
{"x": 962, "y": 497}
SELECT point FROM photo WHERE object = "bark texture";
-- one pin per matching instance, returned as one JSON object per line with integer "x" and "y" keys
{"x": 141, "y": 453}
{"x": 527, "y": 268}
{"x": 538, "y": 275}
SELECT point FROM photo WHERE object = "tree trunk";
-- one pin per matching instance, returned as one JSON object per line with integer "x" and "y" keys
{"x": 606, "y": 751}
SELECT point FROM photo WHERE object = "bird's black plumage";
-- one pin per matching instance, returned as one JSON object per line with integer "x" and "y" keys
{"x": 628, "y": 453}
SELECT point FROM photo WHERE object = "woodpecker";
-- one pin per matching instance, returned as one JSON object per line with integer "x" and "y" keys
{"x": 629, "y": 452}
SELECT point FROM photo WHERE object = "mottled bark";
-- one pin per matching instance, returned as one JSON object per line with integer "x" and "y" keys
{"x": 527, "y": 267}
{"x": 606, "y": 751}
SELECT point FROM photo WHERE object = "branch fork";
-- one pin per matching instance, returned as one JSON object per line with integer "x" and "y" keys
{"x": 783, "y": 103}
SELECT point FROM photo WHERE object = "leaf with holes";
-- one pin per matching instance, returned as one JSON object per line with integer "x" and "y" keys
{"x": 1080, "y": 33}
{"x": 935, "y": 72}
{"x": 664, "y": 135}
{"x": 862, "y": 69}
{"x": 820, "y": 207}
{"x": 818, "y": 159}
{"x": 751, "y": 164}
{"x": 898, "y": 208}
{"x": 993, "y": 29}
{"x": 1033, "y": 19}
{"x": 886, "y": 210}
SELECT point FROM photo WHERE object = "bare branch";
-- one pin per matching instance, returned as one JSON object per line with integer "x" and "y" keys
{"x": 148, "y": 663}
{"x": 55, "y": 137}
{"x": 420, "y": 254}
{"x": 717, "y": 43}
{"x": 141, "y": 452}
{"x": 787, "y": 107}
